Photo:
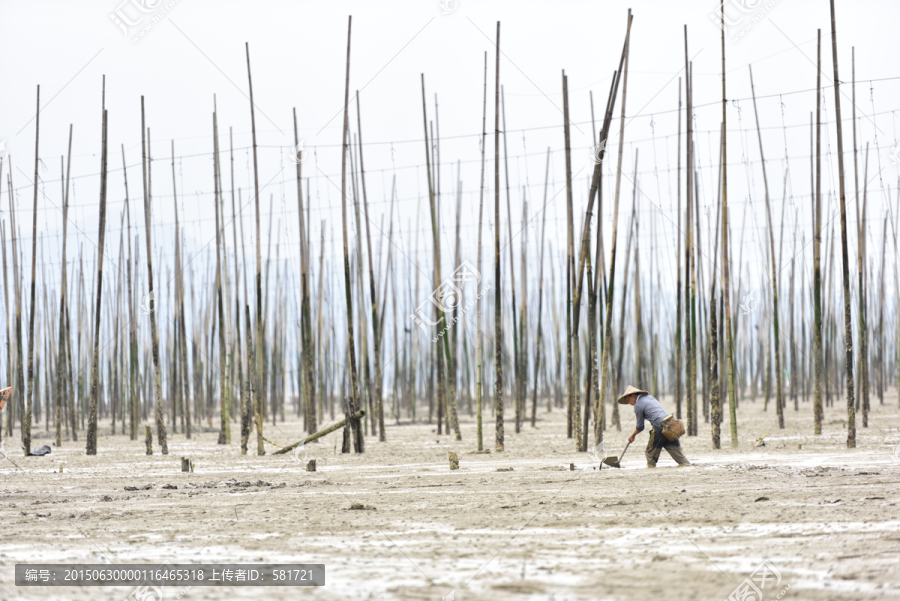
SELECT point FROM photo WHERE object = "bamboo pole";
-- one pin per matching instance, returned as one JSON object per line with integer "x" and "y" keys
{"x": 95, "y": 357}
{"x": 678, "y": 351}
{"x": 691, "y": 382}
{"x": 862, "y": 398}
{"x": 571, "y": 414}
{"x": 715, "y": 401}
{"x": 729, "y": 342}
{"x": 376, "y": 330}
{"x": 26, "y": 422}
{"x": 498, "y": 326}
{"x": 479, "y": 353}
{"x": 818, "y": 351}
{"x": 863, "y": 332}
{"x": 538, "y": 343}
{"x": 517, "y": 376}
{"x": 308, "y": 391}
{"x": 352, "y": 406}
{"x": 15, "y": 409}
{"x": 61, "y": 352}
{"x": 258, "y": 372}
{"x": 154, "y": 348}
{"x": 357, "y": 415}
{"x": 779, "y": 397}
{"x": 845, "y": 261}
{"x": 224, "y": 408}
{"x": 610, "y": 292}
{"x": 10, "y": 369}
{"x": 181, "y": 348}
{"x": 132, "y": 342}
{"x": 442, "y": 349}
{"x": 572, "y": 364}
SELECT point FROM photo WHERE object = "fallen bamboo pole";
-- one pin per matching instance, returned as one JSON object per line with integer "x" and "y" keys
{"x": 358, "y": 415}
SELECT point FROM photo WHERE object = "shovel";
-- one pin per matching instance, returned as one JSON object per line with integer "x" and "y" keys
{"x": 615, "y": 461}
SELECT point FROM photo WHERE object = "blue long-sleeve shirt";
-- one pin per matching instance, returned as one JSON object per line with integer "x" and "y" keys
{"x": 647, "y": 407}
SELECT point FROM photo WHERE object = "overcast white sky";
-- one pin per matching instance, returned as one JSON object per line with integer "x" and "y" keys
{"x": 298, "y": 51}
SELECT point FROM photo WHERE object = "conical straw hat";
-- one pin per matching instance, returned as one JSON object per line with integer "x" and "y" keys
{"x": 629, "y": 391}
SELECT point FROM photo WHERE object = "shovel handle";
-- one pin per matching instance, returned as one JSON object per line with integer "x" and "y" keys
{"x": 623, "y": 452}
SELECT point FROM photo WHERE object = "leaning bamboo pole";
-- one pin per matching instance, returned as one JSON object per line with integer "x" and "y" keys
{"x": 442, "y": 349}
{"x": 517, "y": 376}
{"x": 351, "y": 406}
{"x": 610, "y": 291}
{"x": 845, "y": 261}
{"x": 620, "y": 346}
{"x": 376, "y": 321}
{"x": 479, "y": 352}
{"x": 779, "y": 397}
{"x": 26, "y": 422}
{"x": 257, "y": 378}
{"x": 598, "y": 152}
{"x": 539, "y": 336}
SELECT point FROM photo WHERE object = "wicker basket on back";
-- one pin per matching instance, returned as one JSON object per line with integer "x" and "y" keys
{"x": 672, "y": 428}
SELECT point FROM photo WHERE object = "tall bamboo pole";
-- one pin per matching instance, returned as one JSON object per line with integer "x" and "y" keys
{"x": 818, "y": 352}
{"x": 715, "y": 401}
{"x": 498, "y": 326}
{"x": 610, "y": 292}
{"x": 572, "y": 364}
{"x": 61, "y": 351}
{"x": 845, "y": 261}
{"x": 308, "y": 392}
{"x": 863, "y": 398}
{"x": 26, "y": 422}
{"x": 376, "y": 331}
{"x": 352, "y": 406}
{"x": 132, "y": 327}
{"x": 95, "y": 356}
{"x": 441, "y": 339}
{"x": 539, "y": 337}
{"x": 479, "y": 353}
{"x": 224, "y": 409}
{"x": 181, "y": 347}
{"x": 726, "y": 275}
{"x": 690, "y": 380}
{"x": 157, "y": 385}
{"x": 678, "y": 351}
{"x": 258, "y": 371}
{"x": 517, "y": 377}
